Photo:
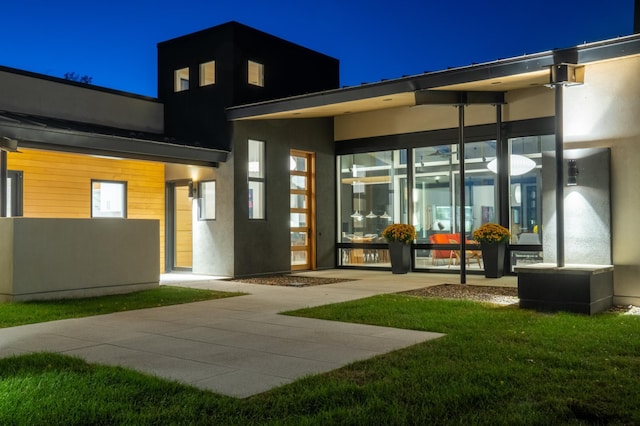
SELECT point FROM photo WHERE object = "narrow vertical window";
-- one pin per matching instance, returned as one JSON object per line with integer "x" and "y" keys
{"x": 256, "y": 178}
{"x": 208, "y": 73}
{"x": 108, "y": 199}
{"x": 181, "y": 80}
{"x": 256, "y": 73}
{"x": 207, "y": 200}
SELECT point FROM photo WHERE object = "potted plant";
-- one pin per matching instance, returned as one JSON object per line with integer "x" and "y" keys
{"x": 493, "y": 239}
{"x": 400, "y": 236}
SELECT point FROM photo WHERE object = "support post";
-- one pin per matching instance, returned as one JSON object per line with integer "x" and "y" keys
{"x": 3, "y": 183}
{"x": 463, "y": 231}
{"x": 559, "y": 146}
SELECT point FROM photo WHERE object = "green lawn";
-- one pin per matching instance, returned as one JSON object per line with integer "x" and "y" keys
{"x": 13, "y": 314}
{"x": 497, "y": 365}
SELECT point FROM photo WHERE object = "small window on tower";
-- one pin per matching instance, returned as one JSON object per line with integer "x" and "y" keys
{"x": 208, "y": 73}
{"x": 181, "y": 80}
{"x": 256, "y": 74}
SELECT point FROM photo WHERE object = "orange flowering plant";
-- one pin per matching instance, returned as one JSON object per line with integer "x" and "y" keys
{"x": 491, "y": 233}
{"x": 400, "y": 232}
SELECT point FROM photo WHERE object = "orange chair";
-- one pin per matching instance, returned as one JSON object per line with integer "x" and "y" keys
{"x": 437, "y": 254}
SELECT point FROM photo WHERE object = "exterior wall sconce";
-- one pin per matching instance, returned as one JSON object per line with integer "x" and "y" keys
{"x": 566, "y": 75}
{"x": 572, "y": 173}
{"x": 193, "y": 189}
{"x": 8, "y": 144}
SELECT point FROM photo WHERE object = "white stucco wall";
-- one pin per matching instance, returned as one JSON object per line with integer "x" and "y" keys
{"x": 520, "y": 104}
{"x": 40, "y": 96}
{"x": 408, "y": 120}
{"x": 605, "y": 112}
{"x": 60, "y": 258}
{"x": 213, "y": 240}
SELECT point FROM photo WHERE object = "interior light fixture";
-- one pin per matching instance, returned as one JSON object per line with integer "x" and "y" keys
{"x": 572, "y": 173}
{"x": 358, "y": 188}
{"x": 371, "y": 215}
{"x": 385, "y": 215}
{"x": 518, "y": 165}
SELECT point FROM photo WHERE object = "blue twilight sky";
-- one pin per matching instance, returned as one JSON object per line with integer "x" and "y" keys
{"x": 115, "y": 41}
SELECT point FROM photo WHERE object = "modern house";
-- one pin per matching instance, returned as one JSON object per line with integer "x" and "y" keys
{"x": 254, "y": 161}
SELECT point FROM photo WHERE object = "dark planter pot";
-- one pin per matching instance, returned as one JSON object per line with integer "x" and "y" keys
{"x": 400, "y": 254}
{"x": 493, "y": 259}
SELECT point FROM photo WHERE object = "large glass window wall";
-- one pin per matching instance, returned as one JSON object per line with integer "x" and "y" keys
{"x": 374, "y": 192}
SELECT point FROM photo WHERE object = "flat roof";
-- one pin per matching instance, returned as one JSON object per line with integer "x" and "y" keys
{"x": 71, "y": 136}
{"x": 497, "y": 76}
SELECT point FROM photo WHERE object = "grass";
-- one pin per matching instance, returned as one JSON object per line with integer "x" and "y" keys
{"x": 496, "y": 365}
{"x": 13, "y": 314}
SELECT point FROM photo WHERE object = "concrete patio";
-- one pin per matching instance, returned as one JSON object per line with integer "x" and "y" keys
{"x": 236, "y": 346}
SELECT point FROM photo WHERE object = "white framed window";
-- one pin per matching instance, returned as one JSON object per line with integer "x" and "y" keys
{"x": 207, "y": 200}
{"x": 181, "y": 80}
{"x": 208, "y": 73}
{"x": 255, "y": 73}
{"x": 108, "y": 198}
{"x": 256, "y": 178}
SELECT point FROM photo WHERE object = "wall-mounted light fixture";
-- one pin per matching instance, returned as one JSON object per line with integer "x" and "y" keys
{"x": 193, "y": 189}
{"x": 8, "y": 144}
{"x": 566, "y": 75}
{"x": 572, "y": 173}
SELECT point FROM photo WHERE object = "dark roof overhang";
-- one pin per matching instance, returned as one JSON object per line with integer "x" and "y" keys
{"x": 535, "y": 65}
{"x": 62, "y": 135}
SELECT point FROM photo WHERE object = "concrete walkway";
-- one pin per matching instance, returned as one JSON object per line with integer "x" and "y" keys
{"x": 237, "y": 346}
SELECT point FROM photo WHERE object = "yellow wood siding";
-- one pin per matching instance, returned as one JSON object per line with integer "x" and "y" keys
{"x": 58, "y": 185}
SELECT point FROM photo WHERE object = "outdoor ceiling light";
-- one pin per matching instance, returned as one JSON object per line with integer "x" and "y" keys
{"x": 572, "y": 173}
{"x": 518, "y": 165}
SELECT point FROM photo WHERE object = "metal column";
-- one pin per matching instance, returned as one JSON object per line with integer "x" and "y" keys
{"x": 559, "y": 174}
{"x": 3, "y": 183}
{"x": 463, "y": 217}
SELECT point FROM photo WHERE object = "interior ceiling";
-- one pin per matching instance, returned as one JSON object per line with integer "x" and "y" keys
{"x": 407, "y": 99}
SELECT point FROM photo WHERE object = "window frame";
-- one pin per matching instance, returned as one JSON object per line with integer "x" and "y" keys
{"x": 178, "y": 79}
{"x": 202, "y": 201}
{"x": 124, "y": 197}
{"x": 259, "y": 180}
{"x": 255, "y": 67}
{"x": 203, "y": 68}
{"x": 15, "y": 193}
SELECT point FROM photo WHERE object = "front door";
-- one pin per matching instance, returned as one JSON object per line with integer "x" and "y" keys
{"x": 183, "y": 240}
{"x": 302, "y": 206}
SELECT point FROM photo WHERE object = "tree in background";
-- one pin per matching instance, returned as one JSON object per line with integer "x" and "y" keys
{"x": 72, "y": 76}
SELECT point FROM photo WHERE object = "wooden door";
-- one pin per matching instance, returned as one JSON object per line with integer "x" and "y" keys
{"x": 302, "y": 210}
{"x": 183, "y": 250}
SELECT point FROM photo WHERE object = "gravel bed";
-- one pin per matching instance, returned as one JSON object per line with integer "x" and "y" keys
{"x": 291, "y": 280}
{"x": 498, "y": 295}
